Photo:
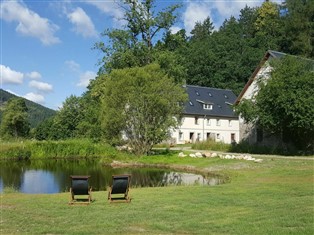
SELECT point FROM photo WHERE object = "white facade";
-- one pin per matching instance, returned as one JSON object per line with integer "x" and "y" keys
{"x": 201, "y": 128}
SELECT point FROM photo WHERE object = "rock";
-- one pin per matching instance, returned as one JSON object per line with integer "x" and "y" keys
{"x": 198, "y": 154}
{"x": 227, "y": 157}
{"x": 192, "y": 155}
{"x": 207, "y": 154}
{"x": 258, "y": 160}
{"x": 181, "y": 154}
{"x": 214, "y": 155}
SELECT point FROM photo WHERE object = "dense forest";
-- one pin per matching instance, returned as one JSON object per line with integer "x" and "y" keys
{"x": 219, "y": 58}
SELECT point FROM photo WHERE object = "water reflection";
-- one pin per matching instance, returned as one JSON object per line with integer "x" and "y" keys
{"x": 52, "y": 176}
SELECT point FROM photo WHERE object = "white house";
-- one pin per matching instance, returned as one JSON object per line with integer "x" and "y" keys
{"x": 250, "y": 132}
{"x": 208, "y": 114}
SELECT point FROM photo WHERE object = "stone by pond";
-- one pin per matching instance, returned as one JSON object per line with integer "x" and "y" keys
{"x": 53, "y": 176}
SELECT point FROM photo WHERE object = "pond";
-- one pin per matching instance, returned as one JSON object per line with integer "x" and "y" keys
{"x": 53, "y": 176}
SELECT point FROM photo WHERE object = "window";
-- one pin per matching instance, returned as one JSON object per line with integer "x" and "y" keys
{"x": 210, "y": 94}
{"x": 196, "y": 120}
{"x": 191, "y": 104}
{"x": 197, "y": 93}
{"x": 218, "y": 122}
{"x": 208, "y": 106}
{"x": 208, "y": 122}
{"x": 230, "y": 123}
{"x": 218, "y": 136}
{"x": 181, "y": 136}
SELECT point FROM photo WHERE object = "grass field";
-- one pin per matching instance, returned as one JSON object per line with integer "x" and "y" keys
{"x": 272, "y": 197}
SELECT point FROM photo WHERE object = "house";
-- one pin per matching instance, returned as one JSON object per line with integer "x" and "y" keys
{"x": 250, "y": 132}
{"x": 208, "y": 114}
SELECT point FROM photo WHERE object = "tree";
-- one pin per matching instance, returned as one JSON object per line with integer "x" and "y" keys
{"x": 15, "y": 121}
{"x": 267, "y": 25}
{"x": 141, "y": 104}
{"x": 284, "y": 105}
{"x": 68, "y": 118}
{"x": 202, "y": 30}
{"x": 298, "y": 23}
{"x": 133, "y": 46}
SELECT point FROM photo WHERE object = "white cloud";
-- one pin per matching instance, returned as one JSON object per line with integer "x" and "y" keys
{"x": 195, "y": 12}
{"x": 110, "y": 8}
{"x": 72, "y": 65}
{"x": 37, "y": 98}
{"x": 41, "y": 86}
{"x": 85, "y": 78}
{"x": 83, "y": 25}
{"x": 9, "y": 76}
{"x": 175, "y": 29}
{"x": 29, "y": 22}
{"x": 217, "y": 10}
{"x": 33, "y": 75}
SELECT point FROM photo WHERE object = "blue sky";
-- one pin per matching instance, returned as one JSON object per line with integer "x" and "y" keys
{"x": 46, "y": 53}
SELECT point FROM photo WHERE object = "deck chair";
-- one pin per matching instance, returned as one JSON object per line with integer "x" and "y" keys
{"x": 80, "y": 187}
{"x": 119, "y": 190}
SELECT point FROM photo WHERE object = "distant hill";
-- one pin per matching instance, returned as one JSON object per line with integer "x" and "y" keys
{"x": 37, "y": 113}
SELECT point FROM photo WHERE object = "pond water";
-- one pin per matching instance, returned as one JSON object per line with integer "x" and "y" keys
{"x": 53, "y": 176}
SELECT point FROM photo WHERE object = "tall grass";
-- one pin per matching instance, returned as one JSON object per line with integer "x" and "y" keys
{"x": 211, "y": 145}
{"x": 56, "y": 149}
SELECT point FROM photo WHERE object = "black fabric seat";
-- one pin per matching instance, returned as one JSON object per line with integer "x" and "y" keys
{"x": 79, "y": 187}
{"x": 120, "y": 188}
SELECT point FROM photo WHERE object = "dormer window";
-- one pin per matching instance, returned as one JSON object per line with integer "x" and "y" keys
{"x": 208, "y": 106}
{"x": 191, "y": 104}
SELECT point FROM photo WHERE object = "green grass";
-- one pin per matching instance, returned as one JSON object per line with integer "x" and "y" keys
{"x": 272, "y": 197}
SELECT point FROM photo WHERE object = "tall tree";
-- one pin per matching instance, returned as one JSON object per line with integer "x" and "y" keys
{"x": 68, "y": 118}
{"x": 15, "y": 121}
{"x": 202, "y": 30}
{"x": 267, "y": 25}
{"x": 133, "y": 46}
{"x": 140, "y": 103}
{"x": 298, "y": 24}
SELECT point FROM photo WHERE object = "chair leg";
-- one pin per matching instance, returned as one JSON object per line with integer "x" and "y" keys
{"x": 71, "y": 196}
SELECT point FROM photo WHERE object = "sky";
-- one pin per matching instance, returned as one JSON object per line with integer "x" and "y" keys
{"x": 46, "y": 46}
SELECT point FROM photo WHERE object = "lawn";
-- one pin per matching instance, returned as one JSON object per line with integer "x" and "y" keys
{"x": 272, "y": 197}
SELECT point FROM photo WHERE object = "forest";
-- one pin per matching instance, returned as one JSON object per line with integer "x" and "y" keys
{"x": 220, "y": 58}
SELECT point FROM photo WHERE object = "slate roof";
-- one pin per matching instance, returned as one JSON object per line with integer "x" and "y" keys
{"x": 221, "y": 100}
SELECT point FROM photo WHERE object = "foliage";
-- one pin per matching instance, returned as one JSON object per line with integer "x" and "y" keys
{"x": 140, "y": 103}
{"x": 15, "y": 119}
{"x": 298, "y": 24}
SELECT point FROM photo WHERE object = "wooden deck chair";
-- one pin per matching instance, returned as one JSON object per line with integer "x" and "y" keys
{"x": 80, "y": 187}
{"x": 119, "y": 190}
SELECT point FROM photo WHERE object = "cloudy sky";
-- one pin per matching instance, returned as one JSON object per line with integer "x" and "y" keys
{"x": 46, "y": 53}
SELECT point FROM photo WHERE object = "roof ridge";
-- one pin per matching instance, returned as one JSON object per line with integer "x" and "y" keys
{"x": 209, "y": 87}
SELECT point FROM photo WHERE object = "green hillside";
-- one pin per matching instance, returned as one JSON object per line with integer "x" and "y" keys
{"x": 37, "y": 112}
